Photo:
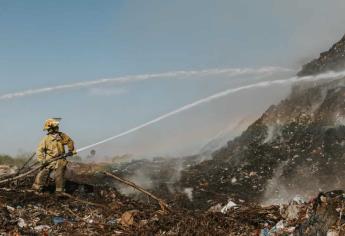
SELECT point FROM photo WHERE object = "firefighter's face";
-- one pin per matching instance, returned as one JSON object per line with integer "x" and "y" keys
{"x": 53, "y": 130}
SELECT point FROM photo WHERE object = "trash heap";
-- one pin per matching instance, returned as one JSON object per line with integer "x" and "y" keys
{"x": 84, "y": 210}
{"x": 333, "y": 59}
{"x": 102, "y": 210}
{"x": 299, "y": 141}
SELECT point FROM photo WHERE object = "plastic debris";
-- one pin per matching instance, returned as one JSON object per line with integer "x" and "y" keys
{"x": 228, "y": 206}
{"x": 21, "y": 223}
{"x": 292, "y": 212}
{"x": 333, "y": 233}
{"x": 299, "y": 199}
{"x": 216, "y": 208}
{"x": 10, "y": 208}
{"x": 265, "y": 231}
{"x": 40, "y": 228}
{"x": 58, "y": 220}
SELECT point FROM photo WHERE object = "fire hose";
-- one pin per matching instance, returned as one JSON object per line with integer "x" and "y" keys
{"x": 165, "y": 207}
{"x": 33, "y": 170}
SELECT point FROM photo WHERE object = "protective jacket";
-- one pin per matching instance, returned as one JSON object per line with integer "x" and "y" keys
{"x": 52, "y": 145}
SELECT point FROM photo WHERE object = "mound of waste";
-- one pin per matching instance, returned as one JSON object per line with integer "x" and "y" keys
{"x": 333, "y": 59}
{"x": 102, "y": 210}
{"x": 299, "y": 141}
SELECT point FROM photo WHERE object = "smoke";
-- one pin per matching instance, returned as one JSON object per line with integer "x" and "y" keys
{"x": 280, "y": 189}
{"x": 272, "y": 131}
{"x": 339, "y": 120}
{"x": 227, "y": 133}
{"x": 276, "y": 192}
{"x": 189, "y": 193}
{"x": 139, "y": 177}
{"x": 328, "y": 75}
{"x": 230, "y": 72}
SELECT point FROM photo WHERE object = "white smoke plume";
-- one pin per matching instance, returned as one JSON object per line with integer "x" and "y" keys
{"x": 329, "y": 75}
{"x": 230, "y": 72}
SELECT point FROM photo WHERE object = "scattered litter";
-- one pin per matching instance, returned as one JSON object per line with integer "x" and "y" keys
{"x": 216, "y": 208}
{"x": 265, "y": 232}
{"x": 40, "y": 228}
{"x": 58, "y": 220}
{"x": 10, "y": 208}
{"x": 333, "y": 233}
{"x": 101, "y": 209}
{"x": 21, "y": 223}
{"x": 127, "y": 218}
{"x": 299, "y": 199}
{"x": 228, "y": 206}
{"x": 278, "y": 228}
{"x": 252, "y": 173}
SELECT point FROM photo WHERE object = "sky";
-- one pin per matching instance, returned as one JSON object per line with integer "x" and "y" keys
{"x": 49, "y": 43}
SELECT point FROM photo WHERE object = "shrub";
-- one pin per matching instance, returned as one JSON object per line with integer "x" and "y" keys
{"x": 14, "y": 161}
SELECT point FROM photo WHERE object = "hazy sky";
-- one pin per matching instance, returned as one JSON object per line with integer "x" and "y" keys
{"x": 48, "y": 43}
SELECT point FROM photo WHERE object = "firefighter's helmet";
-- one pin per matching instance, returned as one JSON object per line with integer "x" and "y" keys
{"x": 51, "y": 123}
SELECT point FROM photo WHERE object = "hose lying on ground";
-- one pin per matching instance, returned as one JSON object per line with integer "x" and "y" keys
{"x": 165, "y": 207}
{"x": 25, "y": 164}
{"x": 32, "y": 170}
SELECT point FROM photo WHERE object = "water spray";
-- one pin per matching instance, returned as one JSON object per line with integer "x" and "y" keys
{"x": 229, "y": 72}
{"x": 217, "y": 96}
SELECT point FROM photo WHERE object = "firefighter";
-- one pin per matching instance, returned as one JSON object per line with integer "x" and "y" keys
{"x": 52, "y": 146}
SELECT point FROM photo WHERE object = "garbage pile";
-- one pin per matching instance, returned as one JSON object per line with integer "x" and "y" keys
{"x": 333, "y": 59}
{"x": 323, "y": 215}
{"x": 102, "y": 210}
{"x": 83, "y": 210}
{"x": 299, "y": 141}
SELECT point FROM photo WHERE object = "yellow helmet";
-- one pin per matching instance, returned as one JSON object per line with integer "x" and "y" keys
{"x": 51, "y": 123}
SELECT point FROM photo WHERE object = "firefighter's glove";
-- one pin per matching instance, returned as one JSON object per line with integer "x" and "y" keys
{"x": 69, "y": 154}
